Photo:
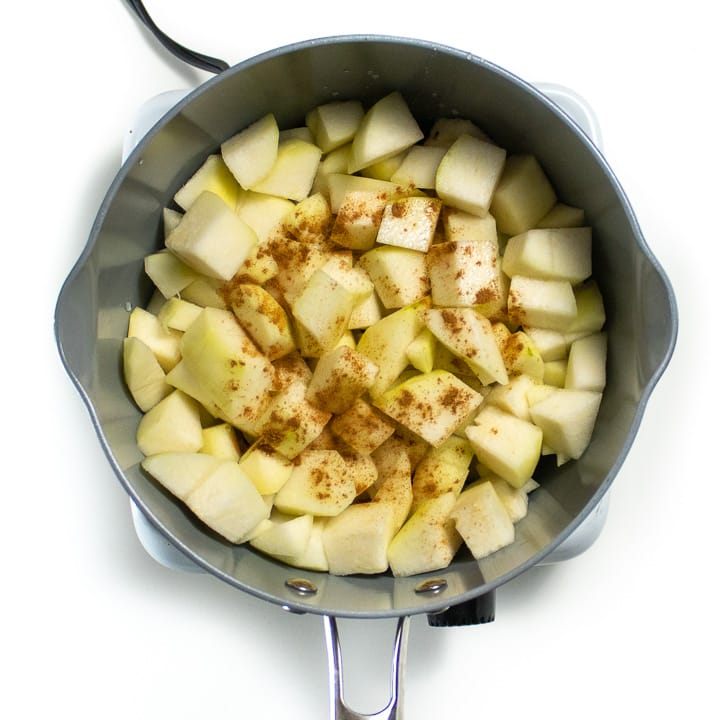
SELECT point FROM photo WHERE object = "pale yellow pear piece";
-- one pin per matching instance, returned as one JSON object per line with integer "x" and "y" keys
{"x": 251, "y": 153}
{"x": 143, "y": 374}
{"x": 212, "y": 175}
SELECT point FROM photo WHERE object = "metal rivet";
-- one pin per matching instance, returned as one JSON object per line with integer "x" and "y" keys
{"x": 301, "y": 586}
{"x": 434, "y": 585}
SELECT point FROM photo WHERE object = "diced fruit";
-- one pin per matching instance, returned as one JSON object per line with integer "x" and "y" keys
{"x": 523, "y": 196}
{"x": 178, "y": 314}
{"x": 310, "y": 220}
{"x": 555, "y": 372}
{"x": 290, "y": 423}
{"x": 211, "y": 238}
{"x": 223, "y": 360}
{"x": 521, "y": 356}
{"x": 251, "y": 153}
{"x": 362, "y": 427}
{"x": 358, "y": 219}
{"x": 512, "y": 397}
{"x": 566, "y": 418}
{"x": 212, "y": 175}
{"x": 387, "y": 128}
{"x": 263, "y": 213}
{"x": 443, "y": 469}
{"x": 467, "y": 272}
{"x": 169, "y": 273}
{"x": 507, "y": 445}
{"x": 334, "y": 162}
{"x": 586, "y": 363}
{"x": 335, "y": 123}
{"x": 469, "y": 336}
{"x": 384, "y": 169}
{"x": 262, "y": 318}
{"x": 180, "y": 472}
{"x": 318, "y": 485}
{"x": 394, "y": 487}
{"x": 418, "y": 167}
{"x": 427, "y": 541}
{"x": 468, "y": 174}
{"x": 398, "y": 274}
{"x": 459, "y": 225}
{"x": 482, "y": 520}
{"x": 547, "y": 304}
{"x": 164, "y": 343}
{"x": 433, "y": 405}
{"x": 340, "y": 184}
{"x": 590, "y": 315}
{"x": 228, "y": 502}
{"x": 293, "y": 173}
{"x": 313, "y": 558}
{"x": 514, "y": 499}
{"x": 340, "y": 377}
{"x": 356, "y": 541}
{"x": 143, "y": 374}
{"x": 222, "y": 441}
{"x": 325, "y": 304}
{"x": 204, "y": 291}
{"x": 421, "y": 351}
{"x": 562, "y": 215}
{"x": 551, "y": 344}
{"x": 172, "y": 425}
{"x": 410, "y": 223}
{"x": 268, "y": 470}
{"x": 550, "y": 254}
{"x": 171, "y": 218}
{"x": 286, "y": 535}
{"x": 445, "y": 131}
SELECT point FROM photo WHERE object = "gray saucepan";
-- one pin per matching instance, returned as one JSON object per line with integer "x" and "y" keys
{"x": 92, "y": 311}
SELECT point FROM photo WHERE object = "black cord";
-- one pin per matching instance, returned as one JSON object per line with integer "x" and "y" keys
{"x": 198, "y": 60}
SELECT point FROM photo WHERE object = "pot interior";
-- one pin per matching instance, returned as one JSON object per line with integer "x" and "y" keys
{"x": 108, "y": 280}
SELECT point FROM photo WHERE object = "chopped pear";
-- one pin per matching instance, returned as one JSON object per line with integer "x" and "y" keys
{"x": 222, "y": 441}
{"x": 512, "y": 397}
{"x": 421, "y": 351}
{"x": 293, "y": 172}
{"x": 173, "y": 425}
{"x": 164, "y": 342}
{"x": 212, "y": 175}
{"x": 505, "y": 444}
{"x": 562, "y": 215}
{"x": 204, "y": 291}
{"x": 143, "y": 374}
{"x": 386, "y": 129}
{"x": 555, "y": 373}
{"x": 385, "y": 169}
{"x": 521, "y": 356}
{"x": 211, "y": 238}
{"x": 171, "y": 219}
{"x": 340, "y": 184}
{"x": 468, "y": 174}
{"x": 180, "y": 472}
{"x": 566, "y": 418}
{"x": 514, "y": 499}
{"x": 523, "y": 196}
{"x": 433, "y": 405}
{"x": 590, "y": 316}
{"x": 550, "y": 254}
{"x": 394, "y": 488}
{"x": 427, "y": 541}
{"x": 289, "y": 368}
{"x": 356, "y": 540}
{"x": 251, "y": 153}
{"x": 547, "y": 304}
{"x": 410, "y": 223}
{"x": 340, "y": 377}
{"x": 551, "y": 344}
{"x": 227, "y": 501}
{"x": 418, "y": 167}
{"x": 362, "y": 427}
{"x": 169, "y": 273}
{"x": 178, "y": 314}
{"x": 318, "y": 485}
{"x": 586, "y": 363}
{"x": 335, "y": 123}
{"x": 290, "y": 423}
{"x": 460, "y": 225}
{"x": 469, "y": 336}
{"x": 224, "y": 361}
{"x": 268, "y": 470}
{"x": 262, "y": 318}
{"x": 358, "y": 219}
{"x": 445, "y": 131}
{"x": 399, "y": 274}
{"x": 443, "y": 469}
{"x": 310, "y": 219}
{"x": 286, "y": 535}
{"x": 334, "y": 162}
{"x": 263, "y": 213}
{"x": 482, "y": 520}
{"x": 464, "y": 273}
{"x": 386, "y": 341}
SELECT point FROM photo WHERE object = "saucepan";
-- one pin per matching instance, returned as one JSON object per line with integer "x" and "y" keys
{"x": 107, "y": 281}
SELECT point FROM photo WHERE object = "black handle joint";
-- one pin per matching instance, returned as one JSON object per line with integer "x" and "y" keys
{"x": 477, "y": 611}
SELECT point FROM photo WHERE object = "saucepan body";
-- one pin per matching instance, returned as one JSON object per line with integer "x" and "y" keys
{"x": 108, "y": 280}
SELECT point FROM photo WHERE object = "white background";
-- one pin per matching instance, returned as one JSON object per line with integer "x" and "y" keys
{"x": 94, "y": 628}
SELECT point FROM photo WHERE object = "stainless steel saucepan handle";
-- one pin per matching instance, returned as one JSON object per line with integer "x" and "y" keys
{"x": 338, "y": 708}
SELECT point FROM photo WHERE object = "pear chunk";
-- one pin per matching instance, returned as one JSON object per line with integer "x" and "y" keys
{"x": 173, "y": 425}
{"x": 251, "y": 153}
{"x": 143, "y": 374}
{"x": 212, "y": 175}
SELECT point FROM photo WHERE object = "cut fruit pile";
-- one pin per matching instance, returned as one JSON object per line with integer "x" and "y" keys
{"x": 363, "y": 339}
